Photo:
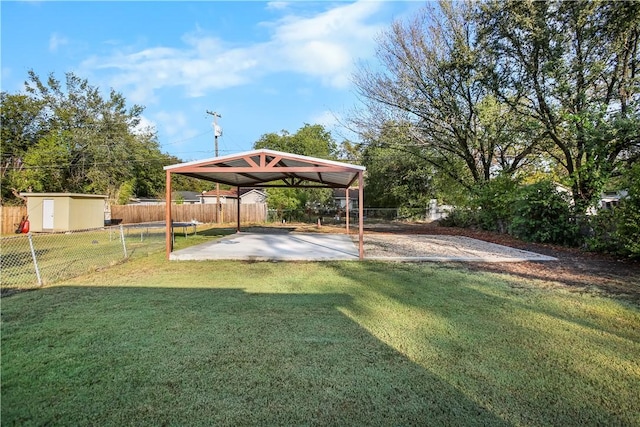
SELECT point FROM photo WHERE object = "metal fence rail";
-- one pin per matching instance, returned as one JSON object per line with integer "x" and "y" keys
{"x": 31, "y": 260}
{"x": 370, "y": 215}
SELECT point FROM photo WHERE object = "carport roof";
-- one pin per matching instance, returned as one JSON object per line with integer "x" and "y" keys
{"x": 259, "y": 168}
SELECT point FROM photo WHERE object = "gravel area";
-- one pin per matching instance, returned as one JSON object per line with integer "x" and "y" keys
{"x": 442, "y": 248}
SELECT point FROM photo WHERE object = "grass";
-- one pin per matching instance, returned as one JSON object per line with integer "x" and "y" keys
{"x": 356, "y": 343}
{"x": 64, "y": 255}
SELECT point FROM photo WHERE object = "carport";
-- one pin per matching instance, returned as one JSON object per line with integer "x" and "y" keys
{"x": 267, "y": 168}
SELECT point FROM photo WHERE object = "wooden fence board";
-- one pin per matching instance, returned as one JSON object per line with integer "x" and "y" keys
{"x": 206, "y": 213}
{"x": 251, "y": 213}
{"x": 11, "y": 215}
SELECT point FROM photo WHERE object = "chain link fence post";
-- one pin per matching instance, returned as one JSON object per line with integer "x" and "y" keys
{"x": 35, "y": 259}
{"x": 124, "y": 245}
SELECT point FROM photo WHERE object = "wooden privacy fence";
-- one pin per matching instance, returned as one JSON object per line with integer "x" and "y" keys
{"x": 11, "y": 217}
{"x": 250, "y": 213}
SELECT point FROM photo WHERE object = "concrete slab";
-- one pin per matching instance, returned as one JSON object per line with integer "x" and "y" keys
{"x": 293, "y": 246}
{"x": 273, "y": 247}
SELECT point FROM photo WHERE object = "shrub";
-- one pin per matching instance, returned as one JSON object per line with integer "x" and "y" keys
{"x": 494, "y": 201}
{"x": 461, "y": 217}
{"x": 628, "y": 214}
{"x": 541, "y": 214}
{"x": 602, "y": 234}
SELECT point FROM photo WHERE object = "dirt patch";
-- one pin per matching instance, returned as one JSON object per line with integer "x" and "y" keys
{"x": 575, "y": 269}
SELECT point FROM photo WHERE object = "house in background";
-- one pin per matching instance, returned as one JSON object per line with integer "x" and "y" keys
{"x": 340, "y": 198}
{"x": 610, "y": 200}
{"x": 178, "y": 197}
{"x": 247, "y": 196}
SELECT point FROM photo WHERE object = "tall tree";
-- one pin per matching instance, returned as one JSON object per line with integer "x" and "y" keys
{"x": 309, "y": 140}
{"x": 397, "y": 175}
{"x": 572, "y": 67}
{"x": 432, "y": 76}
{"x": 68, "y": 137}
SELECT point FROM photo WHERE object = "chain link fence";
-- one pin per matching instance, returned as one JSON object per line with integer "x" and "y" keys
{"x": 32, "y": 260}
{"x": 370, "y": 215}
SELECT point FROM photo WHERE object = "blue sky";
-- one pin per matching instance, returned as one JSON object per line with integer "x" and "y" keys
{"x": 264, "y": 66}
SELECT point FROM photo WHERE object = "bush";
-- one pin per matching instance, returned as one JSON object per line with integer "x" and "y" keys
{"x": 494, "y": 201}
{"x": 617, "y": 231}
{"x": 461, "y": 217}
{"x": 627, "y": 215}
{"x": 541, "y": 214}
{"x": 602, "y": 234}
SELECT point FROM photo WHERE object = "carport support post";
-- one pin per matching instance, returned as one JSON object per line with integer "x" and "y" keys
{"x": 238, "y": 210}
{"x": 361, "y": 214}
{"x": 167, "y": 213}
{"x": 346, "y": 190}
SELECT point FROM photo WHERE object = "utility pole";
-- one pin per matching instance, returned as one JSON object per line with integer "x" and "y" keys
{"x": 217, "y": 131}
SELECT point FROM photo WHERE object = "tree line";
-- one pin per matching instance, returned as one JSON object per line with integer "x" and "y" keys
{"x": 68, "y": 137}
{"x": 468, "y": 102}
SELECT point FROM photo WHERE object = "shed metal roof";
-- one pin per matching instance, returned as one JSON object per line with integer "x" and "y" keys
{"x": 265, "y": 168}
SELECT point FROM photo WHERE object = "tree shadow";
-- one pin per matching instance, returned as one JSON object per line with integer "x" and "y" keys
{"x": 502, "y": 347}
{"x": 619, "y": 280}
{"x": 123, "y": 355}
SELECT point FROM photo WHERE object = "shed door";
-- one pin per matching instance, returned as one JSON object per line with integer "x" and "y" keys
{"x": 47, "y": 214}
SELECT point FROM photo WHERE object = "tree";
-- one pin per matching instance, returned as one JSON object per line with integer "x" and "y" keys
{"x": 309, "y": 140}
{"x": 432, "y": 76}
{"x": 397, "y": 175}
{"x": 69, "y": 137}
{"x": 574, "y": 68}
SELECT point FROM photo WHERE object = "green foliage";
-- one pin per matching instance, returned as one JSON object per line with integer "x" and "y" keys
{"x": 286, "y": 200}
{"x": 617, "y": 231}
{"x": 536, "y": 212}
{"x": 396, "y": 178}
{"x": 69, "y": 137}
{"x": 45, "y": 165}
{"x": 126, "y": 191}
{"x": 397, "y": 175}
{"x": 309, "y": 140}
{"x": 542, "y": 214}
{"x": 602, "y": 236}
{"x": 493, "y": 203}
{"x": 461, "y": 217}
{"x": 432, "y": 77}
{"x": 628, "y": 218}
{"x": 572, "y": 67}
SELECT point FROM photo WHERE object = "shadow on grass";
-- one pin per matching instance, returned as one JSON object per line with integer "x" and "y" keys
{"x": 616, "y": 279}
{"x": 519, "y": 353}
{"x": 156, "y": 356}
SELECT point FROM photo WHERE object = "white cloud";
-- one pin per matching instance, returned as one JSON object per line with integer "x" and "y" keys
{"x": 326, "y": 45}
{"x": 323, "y": 47}
{"x": 325, "y": 118}
{"x": 277, "y": 5}
{"x": 144, "y": 126}
{"x": 173, "y": 124}
{"x": 55, "y": 41}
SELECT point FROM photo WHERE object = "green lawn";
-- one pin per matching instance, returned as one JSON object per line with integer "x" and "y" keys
{"x": 356, "y": 343}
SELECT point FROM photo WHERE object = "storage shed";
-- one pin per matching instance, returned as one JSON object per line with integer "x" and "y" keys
{"x": 51, "y": 212}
